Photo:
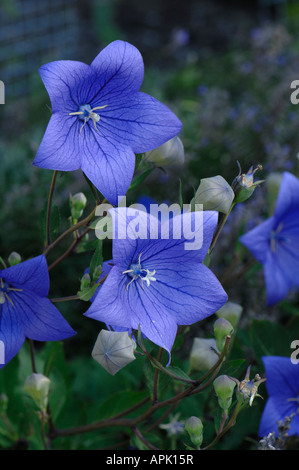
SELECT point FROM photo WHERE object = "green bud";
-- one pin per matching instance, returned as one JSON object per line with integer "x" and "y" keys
{"x": 168, "y": 154}
{"x": 85, "y": 281}
{"x": 224, "y": 389}
{"x": 3, "y": 403}
{"x": 203, "y": 354}
{"x": 244, "y": 184}
{"x": 231, "y": 312}
{"x": 14, "y": 258}
{"x": 222, "y": 329}
{"x": 37, "y": 386}
{"x": 113, "y": 350}
{"x": 215, "y": 194}
{"x": 77, "y": 205}
{"x": 194, "y": 428}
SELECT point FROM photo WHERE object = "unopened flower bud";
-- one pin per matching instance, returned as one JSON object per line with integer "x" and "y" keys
{"x": 37, "y": 386}
{"x": 113, "y": 350}
{"x": 215, "y": 194}
{"x": 244, "y": 184}
{"x": 85, "y": 281}
{"x": 77, "y": 204}
{"x": 14, "y": 258}
{"x": 224, "y": 389}
{"x": 231, "y": 311}
{"x": 222, "y": 329}
{"x": 203, "y": 354}
{"x": 194, "y": 428}
{"x": 168, "y": 154}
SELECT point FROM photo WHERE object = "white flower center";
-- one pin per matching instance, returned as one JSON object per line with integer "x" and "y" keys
{"x": 136, "y": 271}
{"x": 85, "y": 113}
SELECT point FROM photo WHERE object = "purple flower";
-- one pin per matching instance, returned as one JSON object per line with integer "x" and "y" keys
{"x": 25, "y": 310}
{"x": 156, "y": 283}
{"x": 100, "y": 118}
{"x": 275, "y": 242}
{"x": 283, "y": 389}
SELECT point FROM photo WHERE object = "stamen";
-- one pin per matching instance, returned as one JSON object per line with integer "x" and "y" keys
{"x": 85, "y": 113}
{"x": 136, "y": 271}
{"x": 4, "y": 289}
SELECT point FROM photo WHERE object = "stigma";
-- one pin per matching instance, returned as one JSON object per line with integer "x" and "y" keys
{"x": 4, "y": 289}
{"x": 136, "y": 271}
{"x": 85, "y": 112}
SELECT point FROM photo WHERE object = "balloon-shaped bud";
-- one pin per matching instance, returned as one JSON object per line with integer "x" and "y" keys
{"x": 37, "y": 386}
{"x": 113, "y": 350}
{"x": 77, "y": 205}
{"x": 194, "y": 428}
{"x": 215, "y": 194}
{"x": 222, "y": 329}
{"x": 204, "y": 354}
{"x": 14, "y": 258}
{"x": 171, "y": 153}
{"x": 224, "y": 389}
{"x": 231, "y": 311}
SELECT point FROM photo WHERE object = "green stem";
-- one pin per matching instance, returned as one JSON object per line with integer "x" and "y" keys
{"x": 219, "y": 228}
{"x": 48, "y": 217}
{"x": 69, "y": 231}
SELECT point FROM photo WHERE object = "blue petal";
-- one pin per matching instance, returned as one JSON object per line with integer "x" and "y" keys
{"x": 140, "y": 121}
{"x": 31, "y": 274}
{"x": 108, "y": 165}
{"x": 11, "y": 332}
{"x": 60, "y": 148}
{"x": 282, "y": 384}
{"x": 282, "y": 377}
{"x": 107, "y": 307}
{"x": 189, "y": 293}
{"x": 257, "y": 240}
{"x": 40, "y": 319}
{"x": 288, "y": 196}
{"x": 119, "y": 69}
{"x": 63, "y": 80}
{"x": 276, "y": 279}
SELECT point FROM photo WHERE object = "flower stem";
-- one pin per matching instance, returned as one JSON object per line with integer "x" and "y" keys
{"x": 219, "y": 228}
{"x": 48, "y": 217}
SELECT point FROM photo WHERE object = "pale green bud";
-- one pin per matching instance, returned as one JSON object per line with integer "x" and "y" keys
{"x": 222, "y": 329}
{"x": 37, "y": 386}
{"x": 231, "y": 311}
{"x": 113, "y": 350}
{"x": 203, "y": 354}
{"x": 194, "y": 428}
{"x": 215, "y": 194}
{"x": 168, "y": 154}
{"x": 224, "y": 389}
{"x": 77, "y": 205}
{"x": 14, "y": 258}
{"x": 85, "y": 281}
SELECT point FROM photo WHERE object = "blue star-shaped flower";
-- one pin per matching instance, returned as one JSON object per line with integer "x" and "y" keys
{"x": 100, "y": 118}
{"x": 275, "y": 242}
{"x": 25, "y": 310}
{"x": 157, "y": 283}
{"x": 283, "y": 389}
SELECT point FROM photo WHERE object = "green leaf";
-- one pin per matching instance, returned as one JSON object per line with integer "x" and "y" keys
{"x": 140, "y": 178}
{"x": 119, "y": 402}
{"x": 88, "y": 293}
{"x": 96, "y": 260}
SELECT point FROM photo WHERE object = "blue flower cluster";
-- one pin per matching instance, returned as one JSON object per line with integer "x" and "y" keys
{"x": 99, "y": 121}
